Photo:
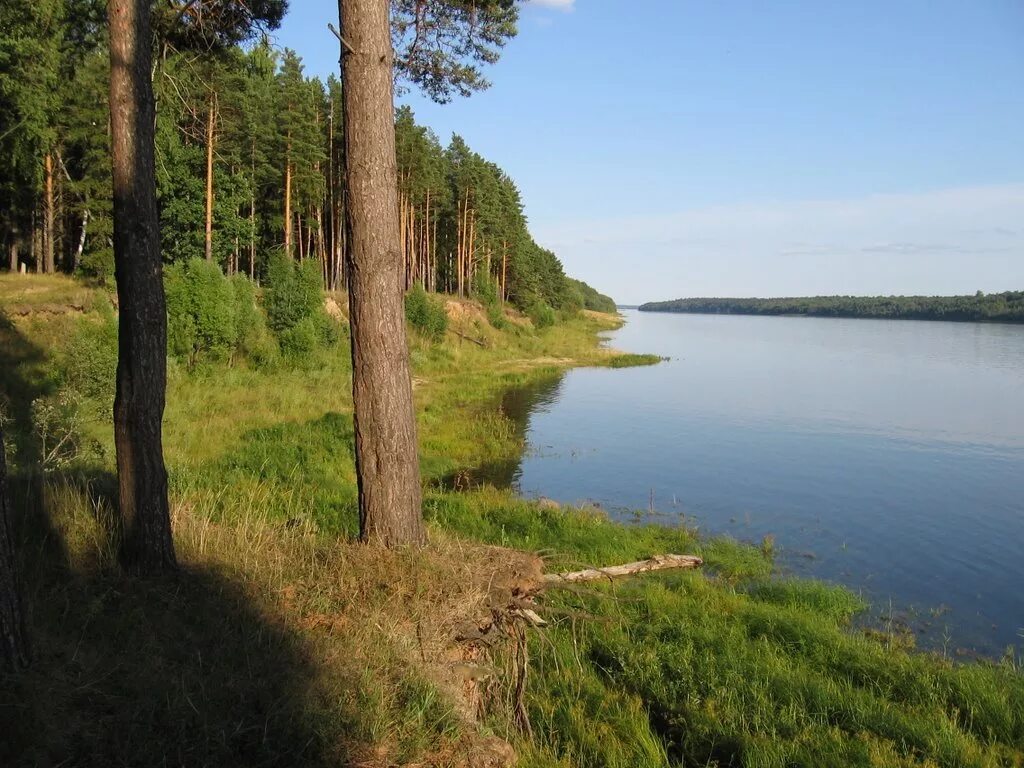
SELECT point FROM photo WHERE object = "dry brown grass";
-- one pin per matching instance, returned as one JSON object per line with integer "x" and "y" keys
{"x": 360, "y": 655}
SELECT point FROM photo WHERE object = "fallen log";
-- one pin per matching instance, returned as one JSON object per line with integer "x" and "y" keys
{"x": 468, "y": 338}
{"x": 656, "y": 563}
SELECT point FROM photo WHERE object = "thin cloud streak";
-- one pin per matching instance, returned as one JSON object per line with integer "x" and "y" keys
{"x": 944, "y": 241}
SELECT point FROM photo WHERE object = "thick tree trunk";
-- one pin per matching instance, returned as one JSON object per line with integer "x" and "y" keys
{"x": 49, "y": 262}
{"x": 210, "y": 136}
{"x": 13, "y": 639}
{"x": 390, "y": 510}
{"x": 142, "y": 318}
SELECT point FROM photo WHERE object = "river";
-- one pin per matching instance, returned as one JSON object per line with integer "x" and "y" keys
{"x": 884, "y": 455}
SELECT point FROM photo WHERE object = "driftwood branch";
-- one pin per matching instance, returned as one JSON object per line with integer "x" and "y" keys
{"x": 656, "y": 563}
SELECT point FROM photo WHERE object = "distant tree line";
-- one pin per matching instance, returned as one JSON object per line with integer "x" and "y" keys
{"x": 249, "y": 160}
{"x": 1005, "y": 307}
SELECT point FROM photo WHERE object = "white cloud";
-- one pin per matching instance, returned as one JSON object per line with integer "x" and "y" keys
{"x": 946, "y": 241}
{"x": 561, "y": 5}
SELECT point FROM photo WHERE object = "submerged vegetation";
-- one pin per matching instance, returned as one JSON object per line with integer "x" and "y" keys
{"x": 283, "y": 641}
{"x": 1005, "y": 307}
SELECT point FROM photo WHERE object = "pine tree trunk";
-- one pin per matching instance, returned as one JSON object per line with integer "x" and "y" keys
{"x": 426, "y": 243}
{"x": 37, "y": 250}
{"x": 142, "y": 318}
{"x": 14, "y": 651}
{"x": 12, "y": 252}
{"x": 288, "y": 201}
{"x": 390, "y": 510}
{"x": 504, "y": 270}
{"x": 49, "y": 262}
{"x": 210, "y": 121}
{"x": 470, "y": 249}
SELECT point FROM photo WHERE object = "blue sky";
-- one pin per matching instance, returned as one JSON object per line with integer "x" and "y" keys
{"x": 671, "y": 148}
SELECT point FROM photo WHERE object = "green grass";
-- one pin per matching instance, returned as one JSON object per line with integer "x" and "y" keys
{"x": 633, "y": 361}
{"x": 737, "y": 669}
{"x": 283, "y": 643}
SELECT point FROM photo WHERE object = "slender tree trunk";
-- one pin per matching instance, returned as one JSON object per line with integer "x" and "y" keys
{"x": 402, "y": 240}
{"x": 426, "y": 242}
{"x": 288, "y": 201}
{"x": 14, "y": 651}
{"x": 504, "y": 270}
{"x": 252, "y": 211}
{"x": 80, "y": 249}
{"x": 142, "y": 317}
{"x": 390, "y": 509}
{"x": 210, "y": 138}
{"x": 37, "y": 250}
{"x": 318, "y": 215}
{"x": 49, "y": 262}
{"x": 470, "y": 251}
{"x": 12, "y": 252}
{"x": 462, "y": 242}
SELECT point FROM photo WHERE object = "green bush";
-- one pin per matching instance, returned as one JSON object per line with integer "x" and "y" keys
{"x": 89, "y": 361}
{"x": 426, "y": 314}
{"x": 328, "y": 330}
{"x": 485, "y": 290}
{"x": 301, "y": 340}
{"x": 201, "y": 310}
{"x": 98, "y": 265}
{"x": 294, "y": 292}
{"x": 252, "y": 339}
{"x": 542, "y": 315}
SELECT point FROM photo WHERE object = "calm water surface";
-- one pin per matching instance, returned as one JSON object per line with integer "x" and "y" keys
{"x": 886, "y": 455}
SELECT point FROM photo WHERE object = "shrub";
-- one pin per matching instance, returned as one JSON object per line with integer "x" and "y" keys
{"x": 58, "y": 423}
{"x": 496, "y": 317}
{"x": 542, "y": 315}
{"x": 301, "y": 340}
{"x": 294, "y": 292}
{"x": 328, "y": 330}
{"x": 485, "y": 289}
{"x": 99, "y": 265}
{"x": 201, "y": 309}
{"x": 89, "y": 361}
{"x": 426, "y": 314}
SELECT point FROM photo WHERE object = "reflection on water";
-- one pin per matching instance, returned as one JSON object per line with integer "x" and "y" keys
{"x": 887, "y": 455}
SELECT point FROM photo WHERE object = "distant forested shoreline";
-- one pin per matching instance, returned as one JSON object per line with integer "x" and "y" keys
{"x": 1005, "y": 307}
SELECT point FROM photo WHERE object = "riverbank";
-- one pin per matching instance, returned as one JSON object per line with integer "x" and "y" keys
{"x": 283, "y": 643}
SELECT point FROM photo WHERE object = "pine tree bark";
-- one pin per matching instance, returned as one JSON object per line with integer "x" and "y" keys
{"x": 14, "y": 650}
{"x": 142, "y": 319}
{"x": 288, "y": 201}
{"x": 49, "y": 262}
{"x": 390, "y": 508}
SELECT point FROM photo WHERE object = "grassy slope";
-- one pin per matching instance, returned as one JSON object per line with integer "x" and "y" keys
{"x": 283, "y": 644}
